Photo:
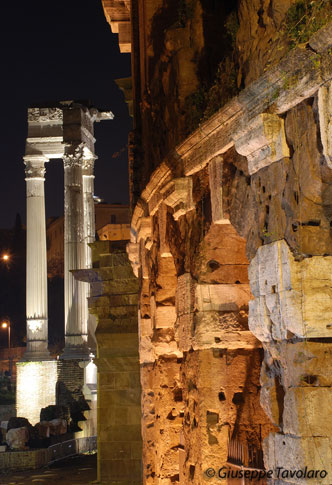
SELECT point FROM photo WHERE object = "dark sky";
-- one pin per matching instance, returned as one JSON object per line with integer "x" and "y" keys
{"x": 55, "y": 51}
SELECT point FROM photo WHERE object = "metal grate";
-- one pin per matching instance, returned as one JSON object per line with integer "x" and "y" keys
{"x": 245, "y": 454}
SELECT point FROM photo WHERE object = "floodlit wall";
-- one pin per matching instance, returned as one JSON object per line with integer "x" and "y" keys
{"x": 231, "y": 240}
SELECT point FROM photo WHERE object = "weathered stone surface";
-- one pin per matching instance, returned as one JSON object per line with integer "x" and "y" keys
{"x": 165, "y": 317}
{"x": 212, "y": 330}
{"x": 114, "y": 302}
{"x": 133, "y": 255}
{"x": 162, "y": 407}
{"x": 257, "y": 36}
{"x": 306, "y": 410}
{"x": 17, "y": 438}
{"x": 293, "y": 453}
{"x": 191, "y": 261}
{"x": 325, "y": 123}
{"x": 290, "y": 296}
{"x": 222, "y": 257}
{"x": 219, "y": 405}
{"x": 322, "y": 40}
{"x": 162, "y": 221}
{"x": 58, "y": 427}
{"x": 222, "y": 298}
{"x": 219, "y": 216}
{"x": 178, "y": 195}
{"x": 43, "y": 429}
{"x": 262, "y": 142}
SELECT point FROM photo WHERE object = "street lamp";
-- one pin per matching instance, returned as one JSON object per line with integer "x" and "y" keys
{"x": 6, "y": 324}
{"x": 5, "y": 257}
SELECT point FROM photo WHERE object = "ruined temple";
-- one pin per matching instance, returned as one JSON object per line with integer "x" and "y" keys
{"x": 228, "y": 364}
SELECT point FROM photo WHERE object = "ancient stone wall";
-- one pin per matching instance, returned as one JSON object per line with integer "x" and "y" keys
{"x": 230, "y": 241}
{"x": 259, "y": 192}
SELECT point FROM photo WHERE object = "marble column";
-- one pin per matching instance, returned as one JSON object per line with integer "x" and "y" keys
{"x": 88, "y": 206}
{"x": 89, "y": 234}
{"x": 36, "y": 269}
{"x": 76, "y": 331}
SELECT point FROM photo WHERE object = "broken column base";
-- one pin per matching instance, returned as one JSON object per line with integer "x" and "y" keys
{"x": 76, "y": 352}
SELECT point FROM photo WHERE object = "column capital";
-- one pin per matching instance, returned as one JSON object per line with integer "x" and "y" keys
{"x": 74, "y": 155}
{"x": 35, "y": 166}
{"x": 89, "y": 161}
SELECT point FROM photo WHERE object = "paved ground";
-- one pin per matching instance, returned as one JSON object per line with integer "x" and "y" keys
{"x": 73, "y": 471}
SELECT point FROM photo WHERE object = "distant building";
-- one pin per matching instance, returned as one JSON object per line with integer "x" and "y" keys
{"x": 112, "y": 222}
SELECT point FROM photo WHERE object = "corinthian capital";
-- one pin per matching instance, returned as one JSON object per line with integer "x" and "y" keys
{"x": 35, "y": 167}
{"x": 74, "y": 155}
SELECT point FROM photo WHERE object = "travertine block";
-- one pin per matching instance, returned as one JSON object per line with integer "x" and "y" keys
{"x": 307, "y": 411}
{"x": 185, "y": 294}
{"x": 170, "y": 349}
{"x": 165, "y": 316}
{"x": 185, "y": 304}
{"x": 184, "y": 331}
{"x": 163, "y": 242}
{"x": 209, "y": 333}
{"x": 178, "y": 195}
{"x": 223, "y": 298}
{"x": 293, "y": 453}
{"x": 325, "y": 121}
{"x": 139, "y": 212}
{"x": 145, "y": 228}
{"x": 290, "y": 296}
{"x": 124, "y": 36}
{"x": 143, "y": 260}
{"x": 262, "y": 141}
{"x": 215, "y": 180}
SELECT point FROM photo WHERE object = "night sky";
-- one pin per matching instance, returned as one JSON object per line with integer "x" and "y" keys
{"x": 54, "y": 51}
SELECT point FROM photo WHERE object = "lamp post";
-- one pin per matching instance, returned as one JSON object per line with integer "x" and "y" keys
{"x": 6, "y": 324}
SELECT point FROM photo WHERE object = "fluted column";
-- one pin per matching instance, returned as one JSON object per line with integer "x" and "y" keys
{"x": 89, "y": 232}
{"x": 88, "y": 206}
{"x": 74, "y": 249}
{"x": 36, "y": 274}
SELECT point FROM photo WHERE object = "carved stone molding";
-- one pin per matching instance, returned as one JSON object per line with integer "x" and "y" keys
{"x": 145, "y": 231}
{"x": 45, "y": 114}
{"x": 178, "y": 194}
{"x": 262, "y": 141}
{"x": 74, "y": 155}
{"x": 133, "y": 256}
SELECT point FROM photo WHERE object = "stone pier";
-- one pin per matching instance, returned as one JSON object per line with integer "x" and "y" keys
{"x": 114, "y": 297}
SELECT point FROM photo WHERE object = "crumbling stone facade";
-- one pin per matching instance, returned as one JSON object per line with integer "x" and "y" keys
{"x": 231, "y": 245}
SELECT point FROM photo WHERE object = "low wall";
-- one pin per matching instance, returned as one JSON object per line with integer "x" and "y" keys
{"x": 32, "y": 459}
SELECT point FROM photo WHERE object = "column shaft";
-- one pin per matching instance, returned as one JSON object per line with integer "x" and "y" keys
{"x": 89, "y": 236}
{"x": 36, "y": 274}
{"x": 74, "y": 248}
